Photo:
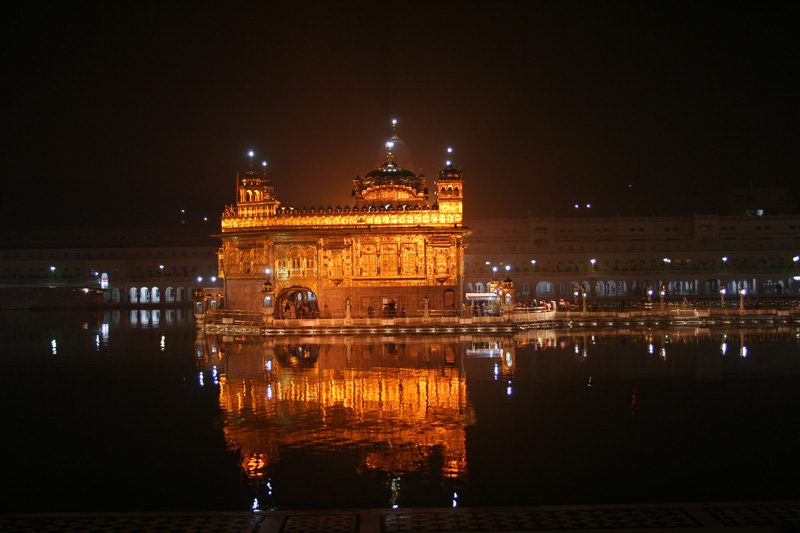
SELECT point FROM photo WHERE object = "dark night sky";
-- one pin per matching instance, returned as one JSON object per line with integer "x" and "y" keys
{"x": 126, "y": 113}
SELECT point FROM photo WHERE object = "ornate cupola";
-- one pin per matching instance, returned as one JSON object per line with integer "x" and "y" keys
{"x": 256, "y": 190}
{"x": 390, "y": 184}
{"x": 450, "y": 188}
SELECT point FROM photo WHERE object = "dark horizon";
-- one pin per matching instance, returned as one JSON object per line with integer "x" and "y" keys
{"x": 128, "y": 114}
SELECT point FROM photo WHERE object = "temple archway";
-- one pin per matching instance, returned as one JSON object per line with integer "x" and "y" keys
{"x": 296, "y": 302}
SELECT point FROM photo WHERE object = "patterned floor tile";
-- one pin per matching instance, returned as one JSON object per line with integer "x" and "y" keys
{"x": 330, "y": 523}
{"x": 244, "y": 523}
{"x": 757, "y": 515}
{"x": 533, "y": 520}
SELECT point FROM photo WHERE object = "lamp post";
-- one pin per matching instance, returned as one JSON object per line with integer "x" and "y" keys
{"x": 742, "y": 292}
{"x": 662, "y": 293}
{"x": 722, "y": 291}
{"x": 576, "y": 291}
{"x": 649, "y": 293}
{"x": 583, "y": 295}
{"x": 593, "y": 261}
{"x": 53, "y": 273}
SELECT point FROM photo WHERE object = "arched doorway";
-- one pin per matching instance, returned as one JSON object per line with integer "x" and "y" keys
{"x": 296, "y": 302}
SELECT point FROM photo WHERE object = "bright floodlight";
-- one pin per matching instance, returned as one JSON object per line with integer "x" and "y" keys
{"x": 394, "y": 122}
{"x": 725, "y": 259}
{"x": 796, "y": 258}
{"x": 199, "y": 279}
{"x": 588, "y": 206}
{"x": 449, "y": 150}
{"x": 213, "y": 279}
{"x": 389, "y": 144}
{"x": 508, "y": 268}
{"x": 488, "y": 263}
{"x": 448, "y": 162}
{"x": 52, "y": 269}
{"x": 263, "y": 163}
{"x": 250, "y": 153}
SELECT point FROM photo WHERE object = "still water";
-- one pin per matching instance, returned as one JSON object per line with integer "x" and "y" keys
{"x": 137, "y": 411}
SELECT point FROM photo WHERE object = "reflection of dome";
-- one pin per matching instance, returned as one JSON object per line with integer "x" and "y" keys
{"x": 400, "y": 151}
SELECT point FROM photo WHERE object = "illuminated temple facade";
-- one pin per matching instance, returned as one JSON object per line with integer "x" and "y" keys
{"x": 392, "y": 250}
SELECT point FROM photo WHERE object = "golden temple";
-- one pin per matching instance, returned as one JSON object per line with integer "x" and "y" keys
{"x": 392, "y": 252}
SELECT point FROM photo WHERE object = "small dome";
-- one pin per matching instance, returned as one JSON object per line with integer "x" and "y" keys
{"x": 390, "y": 173}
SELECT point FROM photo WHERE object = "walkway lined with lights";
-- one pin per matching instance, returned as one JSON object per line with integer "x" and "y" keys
{"x": 761, "y": 516}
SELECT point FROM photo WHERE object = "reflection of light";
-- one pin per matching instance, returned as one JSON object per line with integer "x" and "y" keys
{"x": 214, "y": 375}
{"x": 201, "y": 380}
{"x": 163, "y": 343}
{"x": 508, "y": 391}
{"x": 97, "y": 342}
{"x": 724, "y": 348}
{"x": 650, "y": 348}
{"x": 53, "y": 346}
{"x": 268, "y": 365}
{"x": 254, "y": 507}
{"x": 743, "y": 351}
{"x": 496, "y": 371}
{"x": 664, "y": 353}
{"x": 269, "y": 392}
{"x": 455, "y": 499}
{"x": 577, "y": 349}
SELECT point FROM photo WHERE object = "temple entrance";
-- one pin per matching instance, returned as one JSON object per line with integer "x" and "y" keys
{"x": 296, "y": 302}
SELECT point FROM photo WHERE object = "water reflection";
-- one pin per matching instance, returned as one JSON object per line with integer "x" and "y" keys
{"x": 398, "y": 403}
{"x": 401, "y": 405}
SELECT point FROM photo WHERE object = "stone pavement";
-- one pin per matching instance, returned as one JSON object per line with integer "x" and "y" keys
{"x": 756, "y": 516}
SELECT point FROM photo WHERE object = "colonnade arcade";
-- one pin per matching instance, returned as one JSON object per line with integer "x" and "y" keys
{"x": 151, "y": 295}
{"x": 638, "y": 288}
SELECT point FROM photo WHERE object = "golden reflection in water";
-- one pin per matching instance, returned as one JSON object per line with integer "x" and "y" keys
{"x": 392, "y": 399}
{"x": 396, "y": 399}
